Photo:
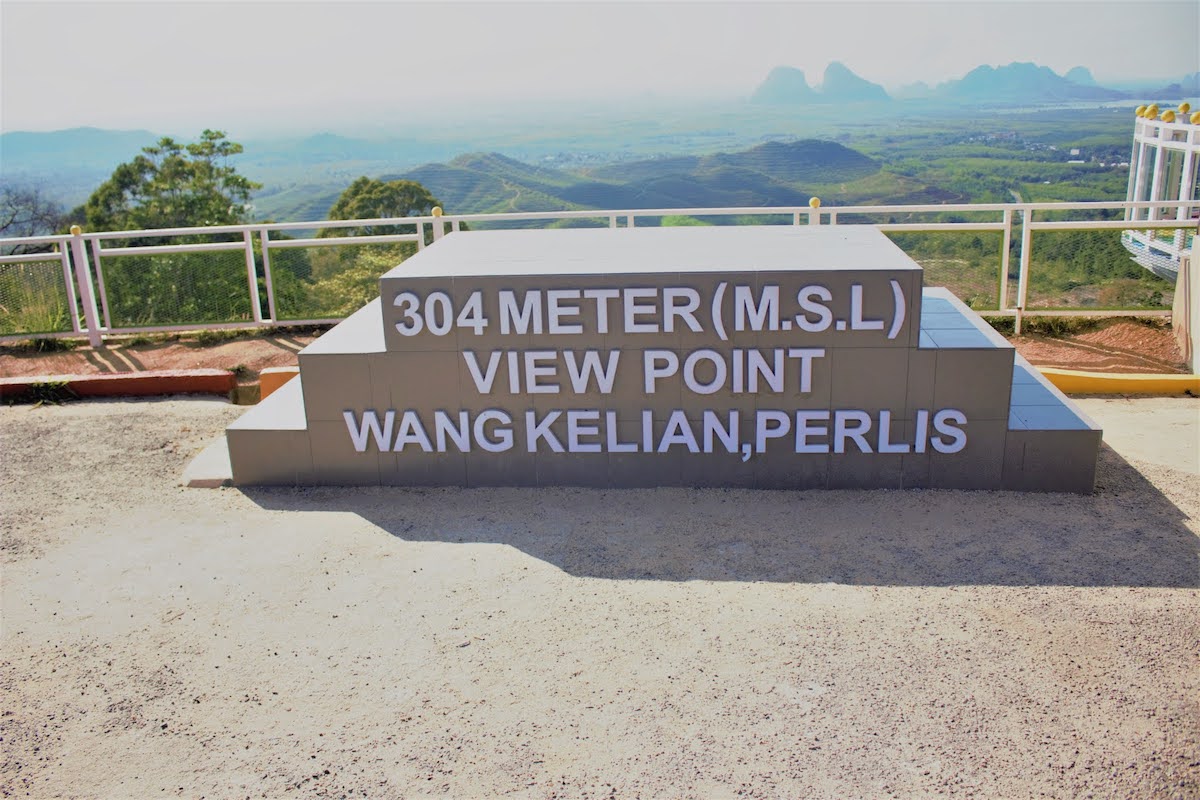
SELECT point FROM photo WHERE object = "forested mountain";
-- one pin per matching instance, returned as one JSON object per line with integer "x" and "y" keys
{"x": 773, "y": 173}
{"x": 1023, "y": 83}
{"x": 1020, "y": 83}
{"x": 788, "y": 86}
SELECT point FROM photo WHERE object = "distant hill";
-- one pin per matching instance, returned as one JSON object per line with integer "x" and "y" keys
{"x": 785, "y": 86}
{"x": 72, "y": 147}
{"x": 1081, "y": 75}
{"x": 788, "y": 86}
{"x": 843, "y": 86}
{"x": 770, "y": 174}
{"x": 1020, "y": 83}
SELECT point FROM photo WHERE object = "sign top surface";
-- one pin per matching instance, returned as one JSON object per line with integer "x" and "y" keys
{"x": 763, "y": 248}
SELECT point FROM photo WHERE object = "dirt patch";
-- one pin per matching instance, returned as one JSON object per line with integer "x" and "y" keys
{"x": 247, "y": 356}
{"x": 1119, "y": 345}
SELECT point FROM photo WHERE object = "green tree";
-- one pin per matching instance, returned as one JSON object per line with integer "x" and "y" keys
{"x": 371, "y": 198}
{"x": 172, "y": 185}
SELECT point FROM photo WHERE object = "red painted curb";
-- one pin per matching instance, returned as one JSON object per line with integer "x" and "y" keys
{"x": 129, "y": 384}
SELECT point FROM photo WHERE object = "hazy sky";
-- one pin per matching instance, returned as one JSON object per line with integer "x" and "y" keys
{"x": 177, "y": 66}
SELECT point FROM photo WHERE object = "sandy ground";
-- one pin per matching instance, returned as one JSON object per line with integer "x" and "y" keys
{"x": 160, "y": 641}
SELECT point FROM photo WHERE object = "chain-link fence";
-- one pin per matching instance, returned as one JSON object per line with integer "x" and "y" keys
{"x": 177, "y": 288}
{"x": 1091, "y": 269}
{"x": 34, "y": 297}
{"x": 969, "y": 264}
{"x": 1081, "y": 257}
{"x": 331, "y": 281}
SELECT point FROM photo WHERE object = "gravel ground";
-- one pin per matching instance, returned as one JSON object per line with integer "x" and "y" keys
{"x": 160, "y": 641}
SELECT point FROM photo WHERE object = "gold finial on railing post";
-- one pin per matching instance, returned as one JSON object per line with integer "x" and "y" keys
{"x": 76, "y": 230}
{"x": 814, "y": 216}
{"x": 439, "y": 227}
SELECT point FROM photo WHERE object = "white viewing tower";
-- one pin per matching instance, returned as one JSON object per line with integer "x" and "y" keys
{"x": 1163, "y": 167}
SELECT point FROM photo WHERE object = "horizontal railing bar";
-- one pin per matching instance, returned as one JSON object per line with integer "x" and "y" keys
{"x": 191, "y": 326}
{"x": 162, "y": 249}
{"x": 935, "y": 226}
{"x": 255, "y": 227}
{"x": 24, "y": 337}
{"x": 24, "y": 259}
{"x": 338, "y": 223}
{"x": 1113, "y": 224}
{"x": 283, "y": 244}
{"x": 14, "y": 241}
{"x": 322, "y": 321}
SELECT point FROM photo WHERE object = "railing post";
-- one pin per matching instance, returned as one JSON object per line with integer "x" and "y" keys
{"x": 100, "y": 283}
{"x": 1023, "y": 279}
{"x": 264, "y": 239}
{"x": 439, "y": 227}
{"x": 83, "y": 280}
{"x": 814, "y": 211}
{"x": 612, "y": 220}
{"x": 1005, "y": 259}
{"x": 629, "y": 221}
{"x": 420, "y": 235}
{"x": 252, "y": 276}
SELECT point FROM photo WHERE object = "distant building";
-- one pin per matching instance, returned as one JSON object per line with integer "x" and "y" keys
{"x": 1163, "y": 167}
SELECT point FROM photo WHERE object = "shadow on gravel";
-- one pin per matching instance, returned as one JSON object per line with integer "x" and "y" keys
{"x": 1127, "y": 534}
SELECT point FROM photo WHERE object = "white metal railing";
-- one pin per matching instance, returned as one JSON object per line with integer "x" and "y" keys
{"x": 82, "y": 255}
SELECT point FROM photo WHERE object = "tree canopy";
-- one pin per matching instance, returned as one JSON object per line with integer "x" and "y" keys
{"x": 26, "y": 211}
{"x": 371, "y": 198}
{"x": 172, "y": 185}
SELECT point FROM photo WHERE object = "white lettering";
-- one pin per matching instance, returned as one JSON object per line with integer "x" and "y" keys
{"x": 756, "y": 365}
{"x": 806, "y": 356}
{"x": 557, "y": 310}
{"x": 483, "y": 380}
{"x": 576, "y": 430}
{"x": 581, "y": 374}
{"x": 535, "y": 430}
{"x": 843, "y": 429}
{"x": 805, "y": 430}
{"x": 885, "y": 444}
{"x": 610, "y": 430}
{"x": 501, "y": 438}
{"x": 634, "y": 309}
{"x": 769, "y": 425}
{"x": 689, "y": 371}
{"x": 824, "y": 317}
{"x": 945, "y": 422}
{"x": 680, "y": 302}
{"x": 762, "y": 315}
{"x": 369, "y": 426}
{"x": 857, "y": 323}
{"x": 529, "y": 315}
{"x": 601, "y": 296}
{"x": 713, "y": 430}
{"x": 444, "y": 427}
{"x": 411, "y": 432}
{"x": 534, "y": 370}
{"x": 651, "y": 371}
{"x": 678, "y": 431}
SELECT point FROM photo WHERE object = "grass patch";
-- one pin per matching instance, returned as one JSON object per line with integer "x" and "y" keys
{"x": 42, "y": 345}
{"x": 51, "y": 392}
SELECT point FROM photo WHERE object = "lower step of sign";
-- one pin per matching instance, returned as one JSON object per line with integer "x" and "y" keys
{"x": 274, "y": 445}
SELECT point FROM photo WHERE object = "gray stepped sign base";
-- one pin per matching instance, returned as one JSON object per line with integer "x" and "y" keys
{"x": 760, "y": 357}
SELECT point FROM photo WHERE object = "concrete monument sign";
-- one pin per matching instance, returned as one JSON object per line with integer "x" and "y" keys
{"x": 766, "y": 357}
